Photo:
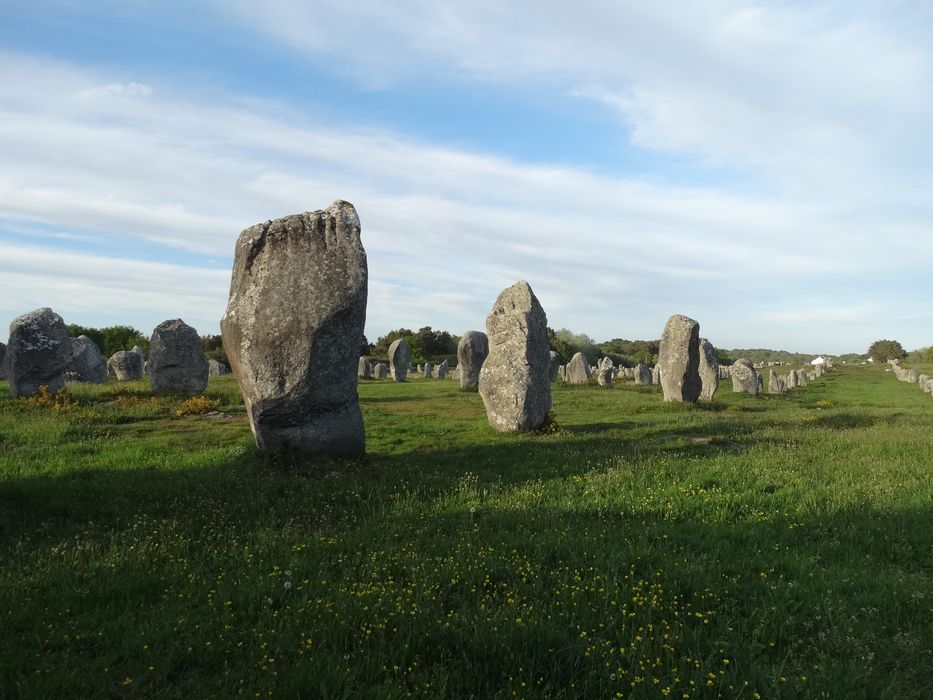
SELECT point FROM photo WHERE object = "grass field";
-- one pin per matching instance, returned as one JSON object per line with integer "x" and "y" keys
{"x": 774, "y": 547}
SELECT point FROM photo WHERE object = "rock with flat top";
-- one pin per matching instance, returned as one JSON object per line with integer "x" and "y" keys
{"x": 37, "y": 353}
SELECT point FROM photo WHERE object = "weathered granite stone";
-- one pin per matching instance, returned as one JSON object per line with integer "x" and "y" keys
{"x": 554, "y": 368}
{"x": 655, "y": 375}
{"x": 126, "y": 365}
{"x": 442, "y": 370}
{"x": 744, "y": 377}
{"x": 176, "y": 359}
{"x": 399, "y": 360}
{"x": 471, "y": 354}
{"x": 513, "y": 382}
{"x": 364, "y": 368}
{"x": 428, "y": 370}
{"x": 775, "y": 383}
{"x": 87, "y": 364}
{"x": 793, "y": 379}
{"x": 604, "y": 377}
{"x": 2, "y": 361}
{"x": 802, "y": 377}
{"x": 709, "y": 370}
{"x": 293, "y": 327}
{"x": 38, "y": 351}
{"x": 578, "y": 369}
{"x": 642, "y": 374}
{"x": 679, "y": 360}
{"x": 605, "y": 362}
{"x": 761, "y": 383}
{"x": 381, "y": 370}
{"x": 215, "y": 368}
{"x": 139, "y": 351}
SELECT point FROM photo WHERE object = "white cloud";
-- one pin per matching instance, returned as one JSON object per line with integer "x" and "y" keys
{"x": 445, "y": 229}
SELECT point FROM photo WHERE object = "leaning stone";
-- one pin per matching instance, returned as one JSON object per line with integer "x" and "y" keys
{"x": 513, "y": 382}
{"x": 744, "y": 377}
{"x": 554, "y": 368}
{"x": 381, "y": 370}
{"x": 709, "y": 370}
{"x": 428, "y": 370}
{"x": 678, "y": 367}
{"x": 176, "y": 359}
{"x": 87, "y": 364}
{"x": 126, "y": 365}
{"x": 399, "y": 360}
{"x": 471, "y": 354}
{"x": 578, "y": 369}
{"x": 775, "y": 383}
{"x": 442, "y": 370}
{"x": 364, "y": 369}
{"x": 642, "y": 374}
{"x": 604, "y": 377}
{"x": 293, "y": 328}
{"x": 38, "y": 352}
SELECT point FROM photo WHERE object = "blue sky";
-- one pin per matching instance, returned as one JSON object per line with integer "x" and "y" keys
{"x": 761, "y": 167}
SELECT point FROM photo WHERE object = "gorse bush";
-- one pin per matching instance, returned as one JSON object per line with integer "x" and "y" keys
{"x": 197, "y": 406}
{"x": 59, "y": 401}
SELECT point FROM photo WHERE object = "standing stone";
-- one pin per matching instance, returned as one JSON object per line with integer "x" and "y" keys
{"x": 420, "y": 369}
{"x": 215, "y": 368}
{"x": 605, "y": 362}
{"x": 709, "y": 370}
{"x": 139, "y": 351}
{"x": 38, "y": 352}
{"x": 578, "y": 369}
{"x": 399, "y": 359}
{"x": 744, "y": 377}
{"x": 562, "y": 373}
{"x": 381, "y": 370}
{"x": 641, "y": 373}
{"x": 471, "y": 354}
{"x": 775, "y": 383}
{"x": 655, "y": 375}
{"x": 679, "y": 360}
{"x": 176, "y": 360}
{"x": 604, "y": 377}
{"x": 428, "y": 370}
{"x": 2, "y": 361}
{"x": 554, "y": 368}
{"x": 126, "y": 365}
{"x": 513, "y": 382}
{"x": 442, "y": 370}
{"x": 802, "y": 377}
{"x": 293, "y": 326}
{"x": 87, "y": 364}
{"x": 364, "y": 369}
{"x": 793, "y": 379}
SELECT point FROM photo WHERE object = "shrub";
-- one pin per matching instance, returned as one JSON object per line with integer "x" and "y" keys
{"x": 197, "y": 406}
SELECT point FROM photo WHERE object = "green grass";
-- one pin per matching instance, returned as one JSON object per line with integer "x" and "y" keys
{"x": 777, "y": 547}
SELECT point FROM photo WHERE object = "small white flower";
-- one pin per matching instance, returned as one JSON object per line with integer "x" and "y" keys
{"x": 269, "y": 601}
{"x": 288, "y": 584}
{"x": 472, "y": 510}
{"x": 288, "y": 573}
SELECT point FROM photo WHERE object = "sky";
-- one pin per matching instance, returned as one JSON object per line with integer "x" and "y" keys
{"x": 765, "y": 168}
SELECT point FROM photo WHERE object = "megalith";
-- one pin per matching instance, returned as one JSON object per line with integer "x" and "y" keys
{"x": 554, "y": 368}
{"x": 176, "y": 359}
{"x": 471, "y": 354}
{"x": 641, "y": 373}
{"x": 126, "y": 365}
{"x": 2, "y": 361}
{"x": 709, "y": 370}
{"x": 428, "y": 372}
{"x": 399, "y": 359}
{"x": 578, "y": 369}
{"x": 381, "y": 370}
{"x": 441, "y": 369}
{"x": 604, "y": 377}
{"x": 364, "y": 368}
{"x": 87, "y": 364}
{"x": 513, "y": 382}
{"x": 775, "y": 383}
{"x": 38, "y": 351}
{"x": 679, "y": 360}
{"x": 293, "y": 326}
{"x": 215, "y": 368}
{"x": 744, "y": 377}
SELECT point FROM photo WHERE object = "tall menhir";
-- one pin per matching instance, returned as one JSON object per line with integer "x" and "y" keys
{"x": 293, "y": 327}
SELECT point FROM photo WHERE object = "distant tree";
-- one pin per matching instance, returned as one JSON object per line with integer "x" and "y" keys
{"x": 213, "y": 346}
{"x": 381, "y": 346}
{"x": 928, "y": 354}
{"x": 723, "y": 357}
{"x": 884, "y": 350}
{"x": 112, "y": 338}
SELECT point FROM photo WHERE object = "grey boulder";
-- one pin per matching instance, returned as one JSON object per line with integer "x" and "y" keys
{"x": 709, "y": 370}
{"x": 513, "y": 382}
{"x": 744, "y": 377}
{"x": 472, "y": 351}
{"x": 176, "y": 359}
{"x": 38, "y": 352}
{"x": 87, "y": 364}
{"x": 679, "y": 360}
{"x": 578, "y": 369}
{"x": 126, "y": 365}
{"x": 293, "y": 327}
{"x": 399, "y": 359}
